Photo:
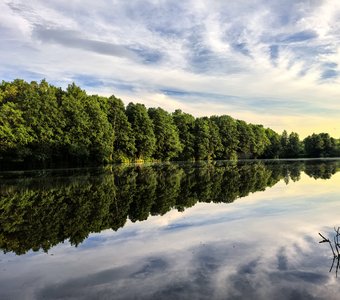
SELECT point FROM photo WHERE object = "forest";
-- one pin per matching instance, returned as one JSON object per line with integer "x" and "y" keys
{"x": 45, "y": 124}
{"x": 40, "y": 210}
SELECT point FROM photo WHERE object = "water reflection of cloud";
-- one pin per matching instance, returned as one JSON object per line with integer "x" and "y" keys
{"x": 264, "y": 246}
{"x": 213, "y": 271}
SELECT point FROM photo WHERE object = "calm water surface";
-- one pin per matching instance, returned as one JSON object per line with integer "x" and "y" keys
{"x": 222, "y": 230}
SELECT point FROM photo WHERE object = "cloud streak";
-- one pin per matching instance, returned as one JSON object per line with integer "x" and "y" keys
{"x": 68, "y": 38}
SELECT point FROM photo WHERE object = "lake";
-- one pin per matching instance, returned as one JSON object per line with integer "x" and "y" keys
{"x": 219, "y": 230}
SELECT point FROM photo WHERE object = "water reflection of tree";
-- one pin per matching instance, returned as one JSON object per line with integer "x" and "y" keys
{"x": 38, "y": 213}
{"x": 323, "y": 170}
{"x": 335, "y": 247}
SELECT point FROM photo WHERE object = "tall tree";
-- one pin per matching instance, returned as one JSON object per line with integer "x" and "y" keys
{"x": 260, "y": 141}
{"x": 284, "y": 143}
{"x": 124, "y": 140}
{"x": 39, "y": 111}
{"x": 227, "y": 128}
{"x": 15, "y": 135}
{"x": 294, "y": 147}
{"x": 320, "y": 145}
{"x": 185, "y": 124}
{"x": 273, "y": 149}
{"x": 207, "y": 139}
{"x": 246, "y": 139}
{"x": 167, "y": 138}
{"x": 100, "y": 130}
{"x": 76, "y": 141}
{"x": 142, "y": 128}
{"x": 39, "y": 122}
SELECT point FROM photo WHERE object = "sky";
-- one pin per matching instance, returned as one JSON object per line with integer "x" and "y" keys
{"x": 270, "y": 62}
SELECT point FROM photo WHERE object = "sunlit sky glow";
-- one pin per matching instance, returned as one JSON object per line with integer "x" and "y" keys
{"x": 267, "y": 62}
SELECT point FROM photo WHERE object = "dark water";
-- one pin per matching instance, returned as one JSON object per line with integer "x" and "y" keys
{"x": 222, "y": 230}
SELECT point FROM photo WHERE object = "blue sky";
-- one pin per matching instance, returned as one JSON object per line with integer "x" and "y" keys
{"x": 269, "y": 62}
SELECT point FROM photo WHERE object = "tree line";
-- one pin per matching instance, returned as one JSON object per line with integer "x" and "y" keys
{"x": 42, "y": 211}
{"x": 43, "y": 123}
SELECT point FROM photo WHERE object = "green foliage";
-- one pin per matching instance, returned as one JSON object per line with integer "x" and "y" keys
{"x": 87, "y": 132}
{"x": 75, "y": 143}
{"x": 227, "y": 128}
{"x": 142, "y": 127}
{"x": 202, "y": 139}
{"x": 99, "y": 130}
{"x": 284, "y": 143}
{"x": 207, "y": 139}
{"x": 321, "y": 145}
{"x": 40, "y": 123}
{"x": 168, "y": 144}
{"x": 294, "y": 147}
{"x": 44, "y": 117}
{"x": 124, "y": 141}
{"x": 291, "y": 147}
{"x": 33, "y": 106}
{"x": 15, "y": 135}
{"x": 185, "y": 124}
{"x": 246, "y": 138}
{"x": 273, "y": 149}
{"x": 260, "y": 141}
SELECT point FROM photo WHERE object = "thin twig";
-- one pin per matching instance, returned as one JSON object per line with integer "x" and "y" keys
{"x": 337, "y": 249}
{"x": 325, "y": 240}
{"x": 336, "y": 246}
{"x": 328, "y": 241}
{"x": 330, "y": 270}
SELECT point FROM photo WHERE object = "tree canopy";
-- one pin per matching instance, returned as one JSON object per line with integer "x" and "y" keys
{"x": 42, "y": 123}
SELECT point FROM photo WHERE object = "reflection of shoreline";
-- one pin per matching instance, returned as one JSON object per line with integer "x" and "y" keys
{"x": 40, "y": 212}
{"x": 335, "y": 247}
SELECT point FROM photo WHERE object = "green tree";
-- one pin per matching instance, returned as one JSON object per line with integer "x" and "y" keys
{"x": 185, "y": 124}
{"x": 284, "y": 143}
{"x": 215, "y": 145}
{"x": 46, "y": 121}
{"x": 273, "y": 149}
{"x": 87, "y": 134}
{"x": 100, "y": 132}
{"x": 40, "y": 122}
{"x": 207, "y": 139}
{"x": 142, "y": 128}
{"x": 124, "y": 140}
{"x": 260, "y": 141}
{"x": 227, "y": 128}
{"x": 168, "y": 144}
{"x": 246, "y": 139}
{"x": 39, "y": 111}
{"x": 76, "y": 140}
{"x": 293, "y": 148}
{"x": 15, "y": 135}
{"x": 320, "y": 145}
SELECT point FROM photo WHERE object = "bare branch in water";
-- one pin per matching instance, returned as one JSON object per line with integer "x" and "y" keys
{"x": 336, "y": 255}
{"x": 327, "y": 241}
